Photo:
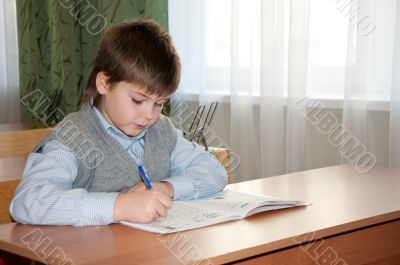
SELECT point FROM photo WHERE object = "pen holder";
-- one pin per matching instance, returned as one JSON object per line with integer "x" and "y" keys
{"x": 198, "y": 125}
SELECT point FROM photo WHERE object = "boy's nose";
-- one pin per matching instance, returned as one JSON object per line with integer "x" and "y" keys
{"x": 148, "y": 113}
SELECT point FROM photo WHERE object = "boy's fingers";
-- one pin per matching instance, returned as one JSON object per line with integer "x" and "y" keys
{"x": 138, "y": 187}
{"x": 156, "y": 215}
{"x": 165, "y": 200}
{"x": 161, "y": 210}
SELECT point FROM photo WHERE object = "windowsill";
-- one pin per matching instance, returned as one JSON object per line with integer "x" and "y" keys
{"x": 327, "y": 103}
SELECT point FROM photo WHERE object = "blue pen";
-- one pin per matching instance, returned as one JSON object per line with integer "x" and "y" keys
{"x": 144, "y": 177}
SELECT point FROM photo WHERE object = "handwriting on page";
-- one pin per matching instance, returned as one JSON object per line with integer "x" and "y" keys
{"x": 218, "y": 207}
{"x": 178, "y": 216}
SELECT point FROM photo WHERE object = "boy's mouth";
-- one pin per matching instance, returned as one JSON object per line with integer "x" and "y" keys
{"x": 139, "y": 126}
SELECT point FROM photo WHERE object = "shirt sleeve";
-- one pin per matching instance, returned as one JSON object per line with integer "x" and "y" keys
{"x": 45, "y": 194}
{"x": 195, "y": 173}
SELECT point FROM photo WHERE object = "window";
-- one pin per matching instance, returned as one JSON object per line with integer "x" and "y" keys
{"x": 207, "y": 35}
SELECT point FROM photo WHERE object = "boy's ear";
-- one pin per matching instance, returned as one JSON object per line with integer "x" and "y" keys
{"x": 102, "y": 83}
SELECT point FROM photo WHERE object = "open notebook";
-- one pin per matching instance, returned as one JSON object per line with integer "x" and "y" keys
{"x": 224, "y": 206}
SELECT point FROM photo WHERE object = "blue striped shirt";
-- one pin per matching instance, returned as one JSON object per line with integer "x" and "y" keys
{"x": 45, "y": 194}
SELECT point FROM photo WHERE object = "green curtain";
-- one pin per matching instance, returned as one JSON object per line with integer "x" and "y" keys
{"x": 57, "y": 45}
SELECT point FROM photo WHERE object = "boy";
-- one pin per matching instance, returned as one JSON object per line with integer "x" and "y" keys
{"x": 85, "y": 172}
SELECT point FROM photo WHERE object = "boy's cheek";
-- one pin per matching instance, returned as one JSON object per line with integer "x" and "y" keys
{"x": 155, "y": 119}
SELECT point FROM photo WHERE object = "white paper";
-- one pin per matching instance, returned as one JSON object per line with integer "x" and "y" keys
{"x": 223, "y": 206}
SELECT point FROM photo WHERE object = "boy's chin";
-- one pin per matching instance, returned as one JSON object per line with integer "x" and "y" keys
{"x": 133, "y": 131}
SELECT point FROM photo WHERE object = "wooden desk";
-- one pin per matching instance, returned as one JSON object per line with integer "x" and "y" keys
{"x": 18, "y": 126}
{"x": 11, "y": 168}
{"x": 354, "y": 219}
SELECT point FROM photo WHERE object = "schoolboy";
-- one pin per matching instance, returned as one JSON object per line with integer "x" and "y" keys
{"x": 85, "y": 172}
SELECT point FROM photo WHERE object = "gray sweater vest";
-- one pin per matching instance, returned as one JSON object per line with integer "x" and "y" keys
{"x": 103, "y": 164}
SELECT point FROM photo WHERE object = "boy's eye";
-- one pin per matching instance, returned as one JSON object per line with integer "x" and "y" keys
{"x": 138, "y": 102}
{"x": 159, "y": 105}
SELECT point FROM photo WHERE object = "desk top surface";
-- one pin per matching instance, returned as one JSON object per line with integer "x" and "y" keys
{"x": 12, "y": 166}
{"x": 342, "y": 200}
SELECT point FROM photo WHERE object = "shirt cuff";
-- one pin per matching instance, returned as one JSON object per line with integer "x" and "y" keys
{"x": 183, "y": 187}
{"x": 99, "y": 208}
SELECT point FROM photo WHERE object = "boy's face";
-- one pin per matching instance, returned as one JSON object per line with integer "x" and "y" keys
{"x": 127, "y": 107}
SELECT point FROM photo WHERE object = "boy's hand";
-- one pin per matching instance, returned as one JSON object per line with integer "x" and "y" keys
{"x": 164, "y": 187}
{"x": 141, "y": 206}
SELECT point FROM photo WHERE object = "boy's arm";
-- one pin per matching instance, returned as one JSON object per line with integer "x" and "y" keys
{"x": 194, "y": 172}
{"x": 45, "y": 194}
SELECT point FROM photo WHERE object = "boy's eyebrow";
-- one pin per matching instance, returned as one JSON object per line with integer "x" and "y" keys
{"x": 144, "y": 95}
{"x": 141, "y": 94}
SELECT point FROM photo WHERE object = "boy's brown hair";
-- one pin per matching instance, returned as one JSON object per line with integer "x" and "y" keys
{"x": 137, "y": 51}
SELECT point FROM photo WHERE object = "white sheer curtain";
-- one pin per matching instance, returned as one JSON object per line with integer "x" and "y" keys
{"x": 261, "y": 56}
{"x": 266, "y": 136}
{"x": 9, "y": 77}
{"x": 372, "y": 72}
{"x": 394, "y": 139}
